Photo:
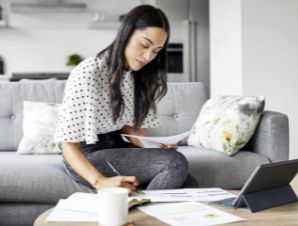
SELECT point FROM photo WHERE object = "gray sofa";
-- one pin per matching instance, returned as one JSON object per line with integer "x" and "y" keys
{"x": 30, "y": 184}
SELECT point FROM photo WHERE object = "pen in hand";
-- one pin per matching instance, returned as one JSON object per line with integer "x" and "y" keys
{"x": 117, "y": 172}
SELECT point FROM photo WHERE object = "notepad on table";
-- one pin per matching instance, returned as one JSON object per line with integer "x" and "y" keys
{"x": 82, "y": 206}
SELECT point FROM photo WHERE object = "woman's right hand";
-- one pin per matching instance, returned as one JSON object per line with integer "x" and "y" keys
{"x": 129, "y": 182}
{"x": 170, "y": 146}
{"x": 82, "y": 166}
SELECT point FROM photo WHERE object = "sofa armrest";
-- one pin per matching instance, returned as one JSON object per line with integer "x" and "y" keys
{"x": 271, "y": 137}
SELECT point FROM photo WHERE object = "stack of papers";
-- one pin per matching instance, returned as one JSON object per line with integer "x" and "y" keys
{"x": 82, "y": 207}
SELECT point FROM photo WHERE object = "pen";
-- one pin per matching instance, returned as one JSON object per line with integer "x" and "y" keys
{"x": 113, "y": 168}
{"x": 117, "y": 172}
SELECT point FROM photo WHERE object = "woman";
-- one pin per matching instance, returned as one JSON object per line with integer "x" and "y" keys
{"x": 115, "y": 93}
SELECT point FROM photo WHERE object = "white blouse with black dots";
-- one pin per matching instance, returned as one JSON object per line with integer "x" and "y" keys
{"x": 85, "y": 110}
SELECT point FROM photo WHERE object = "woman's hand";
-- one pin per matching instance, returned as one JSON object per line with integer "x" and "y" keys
{"x": 168, "y": 146}
{"x": 128, "y": 182}
{"x": 134, "y": 131}
{"x": 78, "y": 161}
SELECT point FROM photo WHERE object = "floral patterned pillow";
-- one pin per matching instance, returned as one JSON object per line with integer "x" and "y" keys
{"x": 226, "y": 123}
{"x": 39, "y": 125}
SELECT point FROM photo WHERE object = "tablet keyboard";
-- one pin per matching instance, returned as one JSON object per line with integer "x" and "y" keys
{"x": 224, "y": 202}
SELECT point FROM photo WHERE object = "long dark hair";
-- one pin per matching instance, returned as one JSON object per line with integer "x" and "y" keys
{"x": 150, "y": 80}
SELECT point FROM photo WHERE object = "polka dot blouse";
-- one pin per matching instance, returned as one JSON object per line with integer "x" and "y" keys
{"x": 85, "y": 110}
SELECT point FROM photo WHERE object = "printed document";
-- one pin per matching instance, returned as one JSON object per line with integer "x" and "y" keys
{"x": 186, "y": 194}
{"x": 152, "y": 142}
{"x": 189, "y": 213}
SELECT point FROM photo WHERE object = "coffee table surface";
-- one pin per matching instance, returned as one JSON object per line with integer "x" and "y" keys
{"x": 282, "y": 215}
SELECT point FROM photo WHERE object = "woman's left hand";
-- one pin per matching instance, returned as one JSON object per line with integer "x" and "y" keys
{"x": 168, "y": 146}
{"x": 134, "y": 131}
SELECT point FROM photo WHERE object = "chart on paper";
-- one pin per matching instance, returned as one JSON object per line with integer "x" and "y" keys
{"x": 189, "y": 213}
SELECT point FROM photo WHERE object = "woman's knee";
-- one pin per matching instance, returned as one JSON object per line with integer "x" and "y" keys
{"x": 178, "y": 161}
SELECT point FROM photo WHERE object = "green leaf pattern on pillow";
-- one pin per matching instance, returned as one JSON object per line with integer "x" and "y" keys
{"x": 226, "y": 123}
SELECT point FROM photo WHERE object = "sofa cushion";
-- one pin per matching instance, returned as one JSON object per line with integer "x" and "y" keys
{"x": 42, "y": 179}
{"x": 35, "y": 179}
{"x": 21, "y": 214}
{"x": 39, "y": 125}
{"x": 226, "y": 123}
{"x": 179, "y": 109}
{"x": 12, "y": 96}
{"x": 213, "y": 168}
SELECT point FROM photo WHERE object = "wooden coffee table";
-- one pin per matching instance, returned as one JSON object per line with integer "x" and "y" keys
{"x": 282, "y": 215}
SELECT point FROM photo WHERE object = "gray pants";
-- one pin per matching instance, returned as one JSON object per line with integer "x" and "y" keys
{"x": 153, "y": 167}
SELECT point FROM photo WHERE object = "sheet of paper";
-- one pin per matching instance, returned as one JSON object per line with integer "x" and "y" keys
{"x": 61, "y": 215}
{"x": 186, "y": 194}
{"x": 151, "y": 142}
{"x": 189, "y": 213}
{"x": 79, "y": 201}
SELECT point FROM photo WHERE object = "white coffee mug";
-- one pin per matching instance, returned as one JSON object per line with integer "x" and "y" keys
{"x": 112, "y": 206}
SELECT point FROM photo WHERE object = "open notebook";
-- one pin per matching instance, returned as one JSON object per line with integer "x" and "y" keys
{"x": 87, "y": 202}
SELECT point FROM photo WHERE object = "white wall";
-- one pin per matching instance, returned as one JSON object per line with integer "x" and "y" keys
{"x": 44, "y": 50}
{"x": 225, "y": 47}
{"x": 267, "y": 65}
{"x": 270, "y": 57}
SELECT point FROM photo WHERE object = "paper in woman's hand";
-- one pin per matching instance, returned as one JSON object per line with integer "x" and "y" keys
{"x": 152, "y": 142}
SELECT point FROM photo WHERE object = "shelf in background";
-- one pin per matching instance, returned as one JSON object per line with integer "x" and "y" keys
{"x": 38, "y": 75}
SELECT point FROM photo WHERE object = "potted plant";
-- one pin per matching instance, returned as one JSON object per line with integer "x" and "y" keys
{"x": 74, "y": 59}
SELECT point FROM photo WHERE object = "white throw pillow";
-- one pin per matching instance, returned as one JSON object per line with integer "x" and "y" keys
{"x": 226, "y": 123}
{"x": 39, "y": 125}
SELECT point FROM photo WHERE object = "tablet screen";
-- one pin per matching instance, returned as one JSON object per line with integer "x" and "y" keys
{"x": 268, "y": 176}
